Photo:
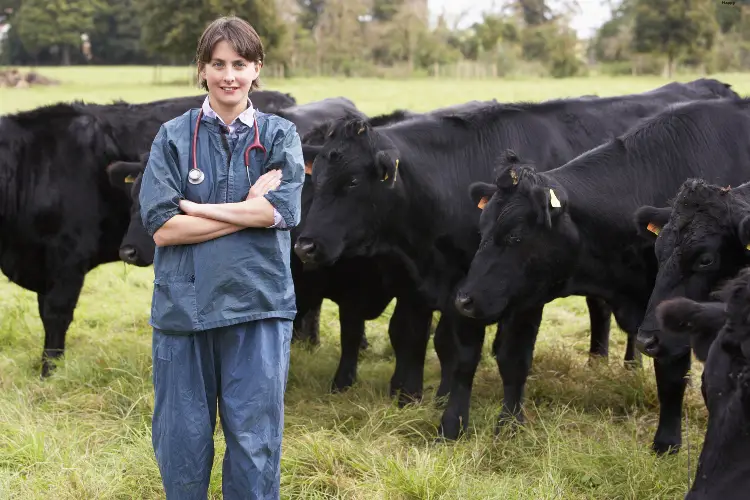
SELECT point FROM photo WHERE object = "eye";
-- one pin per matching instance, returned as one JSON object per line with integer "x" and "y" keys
{"x": 334, "y": 156}
{"x": 353, "y": 183}
{"x": 240, "y": 64}
{"x": 513, "y": 238}
{"x": 704, "y": 261}
{"x": 217, "y": 64}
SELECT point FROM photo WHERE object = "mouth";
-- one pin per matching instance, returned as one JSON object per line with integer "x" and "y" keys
{"x": 229, "y": 90}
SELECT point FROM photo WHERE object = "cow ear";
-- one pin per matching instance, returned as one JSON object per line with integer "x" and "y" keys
{"x": 743, "y": 231}
{"x": 481, "y": 192}
{"x": 701, "y": 321}
{"x": 387, "y": 165}
{"x": 123, "y": 172}
{"x": 549, "y": 203}
{"x": 309, "y": 152}
{"x": 649, "y": 221}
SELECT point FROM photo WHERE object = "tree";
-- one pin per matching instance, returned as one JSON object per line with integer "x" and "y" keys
{"x": 310, "y": 12}
{"x": 171, "y": 28}
{"x": 674, "y": 28}
{"x": 45, "y": 23}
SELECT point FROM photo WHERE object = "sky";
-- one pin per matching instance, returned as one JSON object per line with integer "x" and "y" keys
{"x": 593, "y": 13}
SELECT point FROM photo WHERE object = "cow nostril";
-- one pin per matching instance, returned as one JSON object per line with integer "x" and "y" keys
{"x": 464, "y": 304}
{"x": 305, "y": 249}
{"x": 648, "y": 345}
{"x": 128, "y": 254}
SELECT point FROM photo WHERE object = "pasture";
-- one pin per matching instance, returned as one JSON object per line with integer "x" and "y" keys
{"x": 85, "y": 432}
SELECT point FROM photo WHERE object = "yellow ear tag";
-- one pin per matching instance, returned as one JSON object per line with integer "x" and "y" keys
{"x": 129, "y": 179}
{"x": 308, "y": 168}
{"x": 483, "y": 202}
{"x": 553, "y": 199}
{"x": 748, "y": 246}
{"x": 653, "y": 228}
{"x": 514, "y": 176}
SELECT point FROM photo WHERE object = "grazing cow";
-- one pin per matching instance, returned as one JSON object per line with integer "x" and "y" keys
{"x": 570, "y": 231}
{"x": 59, "y": 216}
{"x": 397, "y": 192}
{"x": 722, "y": 333}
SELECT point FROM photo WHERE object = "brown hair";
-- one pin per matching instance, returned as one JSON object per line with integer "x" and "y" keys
{"x": 239, "y": 34}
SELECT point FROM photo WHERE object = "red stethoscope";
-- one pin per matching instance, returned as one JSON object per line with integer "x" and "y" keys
{"x": 196, "y": 176}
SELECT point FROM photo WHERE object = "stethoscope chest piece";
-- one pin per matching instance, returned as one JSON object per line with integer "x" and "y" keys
{"x": 195, "y": 176}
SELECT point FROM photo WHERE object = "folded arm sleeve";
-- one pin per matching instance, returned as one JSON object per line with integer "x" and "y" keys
{"x": 286, "y": 199}
{"x": 160, "y": 187}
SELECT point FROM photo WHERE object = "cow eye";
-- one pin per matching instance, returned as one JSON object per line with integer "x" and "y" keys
{"x": 705, "y": 260}
{"x": 353, "y": 183}
{"x": 513, "y": 238}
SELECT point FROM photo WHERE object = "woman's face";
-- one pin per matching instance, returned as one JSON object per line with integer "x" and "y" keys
{"x": 228, "y": 77}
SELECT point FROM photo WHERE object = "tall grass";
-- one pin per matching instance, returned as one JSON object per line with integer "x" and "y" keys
{"x": 85, "y": 432}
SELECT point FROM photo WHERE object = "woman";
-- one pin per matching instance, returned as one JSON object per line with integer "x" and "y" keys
{"x": 219, "y": 194}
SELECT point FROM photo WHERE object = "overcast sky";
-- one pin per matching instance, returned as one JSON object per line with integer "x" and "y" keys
{"x": 593, "y": 12}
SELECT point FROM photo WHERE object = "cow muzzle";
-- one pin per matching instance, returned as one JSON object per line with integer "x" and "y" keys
{"x": 648, "y": 343}
{"x": 306, "y": 250}
{"x": 129, "y": 255}
{"x": 465, "y": 305}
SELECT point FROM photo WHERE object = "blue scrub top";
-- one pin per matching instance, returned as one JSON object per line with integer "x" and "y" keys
{"x": 243, "y": 276}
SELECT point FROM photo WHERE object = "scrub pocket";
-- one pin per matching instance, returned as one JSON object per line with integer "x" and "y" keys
{"x": 173, "y": 306}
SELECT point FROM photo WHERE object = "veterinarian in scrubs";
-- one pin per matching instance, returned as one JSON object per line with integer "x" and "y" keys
{"x": 223, "y": 298}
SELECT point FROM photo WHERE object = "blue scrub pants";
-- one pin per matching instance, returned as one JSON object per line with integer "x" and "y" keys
{"x": 242, "y": 366}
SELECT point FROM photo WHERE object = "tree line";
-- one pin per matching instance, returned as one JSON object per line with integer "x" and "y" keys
{"x": 387, "y": 37}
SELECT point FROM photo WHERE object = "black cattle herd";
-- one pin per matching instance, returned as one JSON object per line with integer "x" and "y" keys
{"x": 484, "y": 211}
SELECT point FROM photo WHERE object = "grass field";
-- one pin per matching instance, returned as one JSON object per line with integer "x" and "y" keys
{"x": 85, "y": 432}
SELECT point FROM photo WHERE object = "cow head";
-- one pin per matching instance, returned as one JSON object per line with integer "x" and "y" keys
{"x": 528, "y": 246}
{"x": 699, "y": 242}
{"x": 137, "y": 247}
{"x": 355, "y": 180}
{"x": 723, "y": 468}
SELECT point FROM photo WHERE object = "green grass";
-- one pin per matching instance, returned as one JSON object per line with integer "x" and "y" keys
{"x": 85, "y": 432}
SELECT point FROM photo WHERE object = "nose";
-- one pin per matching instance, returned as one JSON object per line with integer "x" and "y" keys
{"x": 465, "y": 304}
{"x": 128, "y": 254}
{"x": 647, "y": 342}
{"x": 306, "y": 250}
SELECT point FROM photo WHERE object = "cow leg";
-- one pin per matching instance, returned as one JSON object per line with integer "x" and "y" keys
{"x": 56, "y": 308}
{"x": 514, "y": 351}
{"x": 633, "y": 357}
{"x": 352, "y": 333}
{"x": 599, "y": 316}
{"x": 446, "y": 348}
{"x": 307, "y": 325}
{"x": 469, "y": 340}
{"x": 671, "y": 380}
{"x": 409, "y": 331}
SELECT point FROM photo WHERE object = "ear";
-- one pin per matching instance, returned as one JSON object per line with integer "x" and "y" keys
{"x": 123, "y": 172}
{"x": 743, "y": 231}
{"x": 309, "y": 152}
{"x": 701, "y": 321}
{"x": 547, "y": 203}
{"x": 481, "y": 192}
{"x": 387, "y": 165}
{"x": 649, "y": 221}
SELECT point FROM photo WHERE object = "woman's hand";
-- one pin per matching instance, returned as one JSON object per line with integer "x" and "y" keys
{"x": 189, "y": 208}
{"x": 265, "y": 183}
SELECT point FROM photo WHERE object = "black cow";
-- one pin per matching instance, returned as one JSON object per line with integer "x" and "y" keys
{"x": 309, "y": 115}
{"x": 397, "y": 192}
{"x": 59, "y": 216}
{"x": 702, "y": 241}
{"x": 271, "y": 101}
{"x": 570, "y": 231}
{"x": 721, "y": 333}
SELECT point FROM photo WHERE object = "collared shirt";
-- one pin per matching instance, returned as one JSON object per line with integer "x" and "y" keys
{"x": 245, "y": 119}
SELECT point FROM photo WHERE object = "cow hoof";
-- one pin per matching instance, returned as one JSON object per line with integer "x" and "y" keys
{"x": 633, "y": 364}
{"x": 341, "y": 385}
{"x": 665, "y": 449}
{"x": 405, "y": 398}
{"x": 450, "y": 429}
{"x": 508, "y": 423}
